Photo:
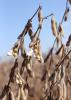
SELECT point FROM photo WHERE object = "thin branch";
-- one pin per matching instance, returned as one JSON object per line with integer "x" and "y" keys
{"x": 25, "y": 29}
{"x": 48, "y": 16}
{"x": 58, "y": 65}
{"x": 50, "y": 52}
{"x": 34, "y": 14}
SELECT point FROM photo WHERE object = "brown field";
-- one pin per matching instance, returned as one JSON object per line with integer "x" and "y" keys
{"x": 36, "y": 91}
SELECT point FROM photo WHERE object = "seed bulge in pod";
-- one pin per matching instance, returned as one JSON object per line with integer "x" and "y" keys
{"x": 60, "y": 29}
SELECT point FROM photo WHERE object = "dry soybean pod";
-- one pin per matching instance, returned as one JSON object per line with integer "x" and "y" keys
{"x": 53, "y": 26}
{"x": 40, "y": 17}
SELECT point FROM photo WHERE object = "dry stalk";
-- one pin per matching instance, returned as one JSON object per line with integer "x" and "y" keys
{"x": 59, "y": 72}
{"x": 35, "y": 45}
{"x": 11, "y": 79}
{"x": 60, "y": 51}
{"x": 62, "y": 90}
{"x": 62, "y": 82}
{"x": 8, "y": 96}
{"x": 11, "y": 76}
{"x": 4, "y": 92}
{"x": 65, "y": 15}
{"x": 69, "y": 40}
{"x": 24, "y": 32}
{"x": 60, "y": 62}
{"x": 27, "y": 63}
{"x": 48, "y": 55}
{"x": 22, "y": 93}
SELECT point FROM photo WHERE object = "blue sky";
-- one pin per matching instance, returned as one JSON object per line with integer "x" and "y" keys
{"x": 15, "y": 13}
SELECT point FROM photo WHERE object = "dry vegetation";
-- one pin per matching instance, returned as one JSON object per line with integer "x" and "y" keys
{"x": 37, "y": 85}
{"x": 28, "y": 77}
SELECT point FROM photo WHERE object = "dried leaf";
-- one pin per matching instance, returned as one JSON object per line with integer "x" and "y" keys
{"x": 14, "y": 51}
